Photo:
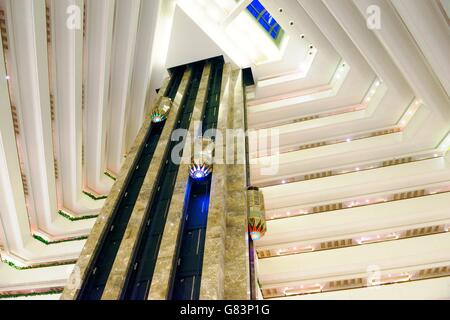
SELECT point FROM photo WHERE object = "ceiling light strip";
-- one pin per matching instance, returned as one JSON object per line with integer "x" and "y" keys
{"x": 353, "y": 203}
{"x": 353, "y": 242}
{"x": 373, "y": 279}
{"x": 404, "y": 121}
{"x": 352, "y": 169}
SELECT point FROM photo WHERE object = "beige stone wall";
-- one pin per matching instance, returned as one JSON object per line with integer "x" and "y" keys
{"x": 213, "y": 273}
{"x": 117, "y": 277}
{"x": 159, "y": 288}
{"x": 237, "y": 286}
{"x": 225, "y": 274}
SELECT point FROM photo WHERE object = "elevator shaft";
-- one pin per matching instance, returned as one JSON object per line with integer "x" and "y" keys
{"x": 95, "y": 282}
{"x": 186, "y": 279}
{"x": 139, "y": 278}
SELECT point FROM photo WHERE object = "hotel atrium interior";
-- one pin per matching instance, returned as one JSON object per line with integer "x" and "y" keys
{"x": 339, "y": 190}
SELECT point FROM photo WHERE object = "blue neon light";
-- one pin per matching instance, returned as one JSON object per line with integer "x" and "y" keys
{"x": 199, "y": 172}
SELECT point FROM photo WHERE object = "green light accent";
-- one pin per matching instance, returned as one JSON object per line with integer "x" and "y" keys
{"x": 46, "y": 242}
{"x": 109, "y": 175}
{"x": 158, "y": 115}
{"x": 39, "y": 266}
{"x": 32, "y": 294}
{"x": 73, "y": 218}
{"x": 90, "y": 195}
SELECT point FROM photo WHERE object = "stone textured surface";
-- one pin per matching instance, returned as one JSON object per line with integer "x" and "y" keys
{"x": 167, "y": 252}
{"x": 237, "y": 281}
{"x": 225, "y": 273}
{"x": 100, "y": 227}
{"x": 122, "y": 261}
{"x": 212, "y": 283}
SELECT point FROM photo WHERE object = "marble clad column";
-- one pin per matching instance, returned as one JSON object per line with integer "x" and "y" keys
{"x": 162, "y": 275}
{"x": 100, "y": 227}
{"x": 212, "y": 282}
{"x": 237, "y": 281}
{"x": 122, "y": 261}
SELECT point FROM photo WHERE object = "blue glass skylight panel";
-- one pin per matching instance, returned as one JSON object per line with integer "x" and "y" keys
{"x": 265, "y": 25}
{"x": 258, "y": 6}
{"x": 253, "y": 12}
{"x": 264, "y": 18}
{"x": 268, "y": 18}
{"x": 275, "y": 31}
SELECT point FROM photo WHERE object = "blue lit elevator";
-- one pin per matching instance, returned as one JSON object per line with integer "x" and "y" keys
{"x": 186, "y": 279}
{"x": 139, "y": 277}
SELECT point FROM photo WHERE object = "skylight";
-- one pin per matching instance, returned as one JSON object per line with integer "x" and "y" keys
{"x": 265, "y": 19}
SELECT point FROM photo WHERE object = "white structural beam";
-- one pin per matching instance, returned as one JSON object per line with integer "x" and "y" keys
{"x": 331, "y": 89}
{"x": 336, "y": 36}
{"x": 100, "y": 20}
{"x": 29, "y": 47}
{"x": 355, "y": 222}
{"x": 431, "y": 289}
{"x": 17, "y": 280}
{"x": 414, "y": 138}
{"x": 148, "y": 69}
{"x": 422, "y": 20}
{"x": 122, "y": 66}
{"x": 159, "y": 53}
{"x": 17, "y": 232}
{"x": 394, "y": 36}
{"x": 240, "y": 6}
{"x": 326, "y": 58}
{"x": 67, "y": 53}
{"x": 411, "y": 254}
{"x": 36, "y": 297}
{"x": 383, "y": 180}
{"x": 12, "y": 200}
